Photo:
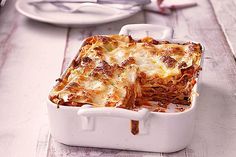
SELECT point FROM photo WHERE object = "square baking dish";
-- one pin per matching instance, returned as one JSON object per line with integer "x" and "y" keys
{"x": 107, "y": 127}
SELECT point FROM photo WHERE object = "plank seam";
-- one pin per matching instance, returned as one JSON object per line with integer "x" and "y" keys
{"x": 65, "y": 50}
{"x": 5, "y": 47}
{"x": 223, "y": 29}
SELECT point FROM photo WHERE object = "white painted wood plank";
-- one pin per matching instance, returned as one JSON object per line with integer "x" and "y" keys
{"x": 59, "y": 150}
{"x": 31, "y": 55}
{"x": 42, "y": 145}
{"x": 226, "y": 15}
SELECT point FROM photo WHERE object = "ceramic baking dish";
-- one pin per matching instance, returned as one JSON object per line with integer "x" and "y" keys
{"x": 110, "y": 127}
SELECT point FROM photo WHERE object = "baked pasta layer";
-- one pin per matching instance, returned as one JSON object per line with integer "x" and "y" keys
{"x": 117, "y": 71}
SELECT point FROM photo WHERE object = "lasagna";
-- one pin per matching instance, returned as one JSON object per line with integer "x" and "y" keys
{"x": 118, "y": 71}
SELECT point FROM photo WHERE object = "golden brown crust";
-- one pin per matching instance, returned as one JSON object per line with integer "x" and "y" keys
{"x": 169, "y": 61}
{"x": 117, "y": 71}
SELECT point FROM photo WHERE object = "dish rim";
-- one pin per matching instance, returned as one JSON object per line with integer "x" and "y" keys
{"x": 175, "y": 40}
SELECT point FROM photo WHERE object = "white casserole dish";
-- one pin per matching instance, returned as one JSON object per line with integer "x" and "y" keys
{"x": 110, "y": 127}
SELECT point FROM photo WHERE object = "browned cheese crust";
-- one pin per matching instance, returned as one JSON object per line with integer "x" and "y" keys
{"x": 117, "y": 71}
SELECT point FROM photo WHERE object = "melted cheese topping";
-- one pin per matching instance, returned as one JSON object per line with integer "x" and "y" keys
{"x": 108, "y": 66}
{"x": 148, "y": 59}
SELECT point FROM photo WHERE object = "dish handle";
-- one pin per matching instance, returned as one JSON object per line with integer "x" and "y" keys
{"x": 88, "y": 113}
{"x": 139, "y": 31}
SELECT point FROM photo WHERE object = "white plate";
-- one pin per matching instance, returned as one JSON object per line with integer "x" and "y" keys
{"x": 89, "y": 15}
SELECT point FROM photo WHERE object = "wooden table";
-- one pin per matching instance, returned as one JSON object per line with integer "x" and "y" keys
{"x": 33, "y": 54}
